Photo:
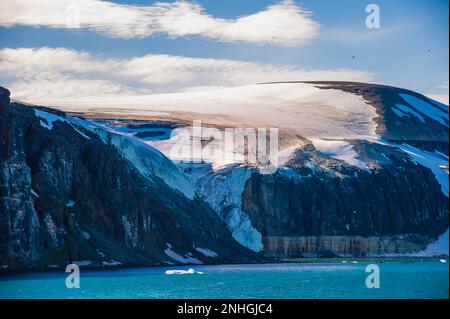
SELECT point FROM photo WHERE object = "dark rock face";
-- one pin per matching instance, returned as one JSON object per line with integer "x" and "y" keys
{"x": 67, "y": 196}
{"x": 335, "y": 208}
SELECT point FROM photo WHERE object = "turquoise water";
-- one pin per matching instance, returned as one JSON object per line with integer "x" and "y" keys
{"x": 319, "y": 280}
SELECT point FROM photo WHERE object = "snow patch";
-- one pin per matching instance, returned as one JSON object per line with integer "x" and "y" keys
{"x": 207, "y": 252}
{"x": 340, "y": 150}
{"x": 182, "y": 259}
{"x": 111, "y": 263}
{"x": 402, "y": 110}
{"x": 70, "y": 203}
{"x": 48, "y": 118}
{"x": 430, "y": 110}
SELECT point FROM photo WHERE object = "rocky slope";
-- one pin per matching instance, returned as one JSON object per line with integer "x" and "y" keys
{"x": 74, "y": 192}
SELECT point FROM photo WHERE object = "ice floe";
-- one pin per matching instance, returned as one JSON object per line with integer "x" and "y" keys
{"x": 190, "y": 271}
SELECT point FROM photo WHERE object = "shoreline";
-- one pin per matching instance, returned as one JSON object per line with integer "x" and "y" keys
{"x": 337, "y": 260}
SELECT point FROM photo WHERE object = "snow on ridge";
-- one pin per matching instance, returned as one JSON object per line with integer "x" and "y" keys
{"x": 47, "y": 119}
{"x": 300, "y": 107}
{"x": 430, "y": 110}
{"x": 341, "y": 150}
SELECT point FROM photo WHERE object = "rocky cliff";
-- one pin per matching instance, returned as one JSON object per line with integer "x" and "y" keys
{"x": 324, "y": 207}
{"x": 70, "y": 192}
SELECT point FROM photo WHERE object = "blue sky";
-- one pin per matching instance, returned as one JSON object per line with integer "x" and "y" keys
{"x": 409, "y": 50}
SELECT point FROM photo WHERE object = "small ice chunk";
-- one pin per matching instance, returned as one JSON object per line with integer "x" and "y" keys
{"x": 111, "y": 263}
{"x": 190, "y": 271}
{"x": 70, "y": 203}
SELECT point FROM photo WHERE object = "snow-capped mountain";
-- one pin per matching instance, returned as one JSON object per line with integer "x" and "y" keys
{"x": 362, "y": 170}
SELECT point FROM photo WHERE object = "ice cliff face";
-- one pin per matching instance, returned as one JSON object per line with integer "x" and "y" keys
{"x": 222, "y": 190}
{"x": 73, "y": 192}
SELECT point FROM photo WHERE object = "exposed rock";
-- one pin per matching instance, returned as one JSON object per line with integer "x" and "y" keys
{"x": 336, "y": 207}
{"x": 343, "y": 246}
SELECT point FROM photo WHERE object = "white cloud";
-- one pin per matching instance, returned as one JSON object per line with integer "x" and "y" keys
{"x": 443, "y": 86}
{"x": 48, "y": 86}
{"x": 440, "y": 93}
{"x": 443, "y": 98}
{"x": 284, "y": 23}
{"x": 39, "y": 74}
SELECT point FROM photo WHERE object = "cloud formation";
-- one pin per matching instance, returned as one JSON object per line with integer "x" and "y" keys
{"x": 284, "y": 23}
{"x": 37, "y": 74}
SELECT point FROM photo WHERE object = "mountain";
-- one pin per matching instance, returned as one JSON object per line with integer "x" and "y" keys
{"x": 362, "y": 171}
{"x": 71, "y": 191}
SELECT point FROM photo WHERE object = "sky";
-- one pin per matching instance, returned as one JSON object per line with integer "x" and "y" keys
{"x": 55, "y": 50}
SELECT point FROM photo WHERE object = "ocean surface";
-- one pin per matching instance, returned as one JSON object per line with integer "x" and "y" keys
{"x": 292, "y": 280}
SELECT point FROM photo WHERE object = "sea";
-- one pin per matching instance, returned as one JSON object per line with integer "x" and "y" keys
{"x": 329, "y": 280}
